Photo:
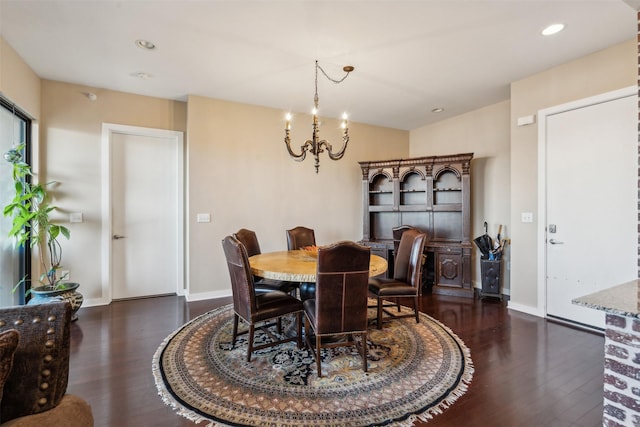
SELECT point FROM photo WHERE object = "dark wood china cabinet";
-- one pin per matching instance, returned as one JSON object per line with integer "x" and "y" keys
{"x": 432, "y": 194}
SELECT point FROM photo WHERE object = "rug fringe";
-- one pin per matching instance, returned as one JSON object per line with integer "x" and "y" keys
{"x": 165, "y": 395}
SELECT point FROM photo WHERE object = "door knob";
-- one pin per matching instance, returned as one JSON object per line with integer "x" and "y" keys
{"x": 555, "y": 242}
{"x": 117, "y": 236}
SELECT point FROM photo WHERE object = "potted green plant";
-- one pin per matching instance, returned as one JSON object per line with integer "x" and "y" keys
{"x": 30, "y": 210}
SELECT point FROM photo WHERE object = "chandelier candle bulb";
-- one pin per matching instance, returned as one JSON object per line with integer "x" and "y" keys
{"x": 344, "y": 121}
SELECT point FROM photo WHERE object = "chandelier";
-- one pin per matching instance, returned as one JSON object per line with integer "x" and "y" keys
{"x": 314, "y": 145}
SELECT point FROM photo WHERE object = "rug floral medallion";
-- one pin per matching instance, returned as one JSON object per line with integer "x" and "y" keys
{"x": 415, "y": 370}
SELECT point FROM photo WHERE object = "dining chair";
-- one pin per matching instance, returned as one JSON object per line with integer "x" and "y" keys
{"x": 340, "y": 303}
{"x": 299, "y": 237}
{"x": 407, "y": 276}
{"x": 250, "y": 241}
{"x": 397, "y": 233}
{"x": 257, "y": 308}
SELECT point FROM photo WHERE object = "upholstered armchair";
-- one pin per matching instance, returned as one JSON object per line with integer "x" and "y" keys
{"x": 34, "y": 368}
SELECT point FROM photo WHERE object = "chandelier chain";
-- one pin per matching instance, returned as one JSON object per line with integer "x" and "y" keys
{"x": 327, "y": 76}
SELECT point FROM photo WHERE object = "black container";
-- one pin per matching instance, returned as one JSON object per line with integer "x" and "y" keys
{"x": 491, "y": 273}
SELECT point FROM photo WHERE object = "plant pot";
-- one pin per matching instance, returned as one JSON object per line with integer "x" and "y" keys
{"x": 48, "y": 293}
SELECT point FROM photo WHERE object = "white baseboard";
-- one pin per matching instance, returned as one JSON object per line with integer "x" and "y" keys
{"x": 200, "y": 296}
{"x": 93, "y": 302}
{"x": 534, "y": 311}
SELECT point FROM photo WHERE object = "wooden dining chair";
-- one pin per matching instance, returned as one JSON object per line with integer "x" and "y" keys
{"x": 340, "y": 303}
{"x": 407, "y": 276}
{"x": 299, "y": 237}
{"x": 250, "y": 241}
{"x": 257, "y": 308}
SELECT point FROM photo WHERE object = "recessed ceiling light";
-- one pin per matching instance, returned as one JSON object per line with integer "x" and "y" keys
{"x": 437, "y": 110}
{"x": 141, "y": 75}
{"x": 552, "y": 29}
{"x": 145, "y": 44}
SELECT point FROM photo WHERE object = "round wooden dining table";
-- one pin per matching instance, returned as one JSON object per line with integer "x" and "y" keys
{"x": 297, "y": 266}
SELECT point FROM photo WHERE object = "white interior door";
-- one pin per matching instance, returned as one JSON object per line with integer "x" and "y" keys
{"x": 591, "y": 203}
{"x": 146, "y": 218}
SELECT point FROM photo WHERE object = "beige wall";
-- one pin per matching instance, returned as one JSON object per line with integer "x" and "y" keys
{"x": 601, "y": 72}
{"x": 484, "y": 132}
{"x": 71, "y": 131}
{"x": 241, "y": 173}
{"x": 18, "y": 83}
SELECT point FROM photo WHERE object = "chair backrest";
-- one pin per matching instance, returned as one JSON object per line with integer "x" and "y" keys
{"x": 300, "y": 237}
{"x": 342, "y": 287}
{"x": 403, "y": 254}
{"x": 250, "y": 241}
{"x": 244, "y": 297}
{"x": 397, "y": 233}
{"x": 414, "y": 272}
{"x": 44, "y": 345}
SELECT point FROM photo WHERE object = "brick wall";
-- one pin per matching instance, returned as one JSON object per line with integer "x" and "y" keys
{"x": 622, "y": 344}
{"x": 621, "y": 372}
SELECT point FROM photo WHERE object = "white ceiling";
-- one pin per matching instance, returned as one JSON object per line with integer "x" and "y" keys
{"x": 409, "y": 56}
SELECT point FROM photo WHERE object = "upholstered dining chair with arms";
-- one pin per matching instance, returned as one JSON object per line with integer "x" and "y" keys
{"x": 407, "y": 276}
{"x": 299, "y": 237}
{"x": 257, "y": 308}
{"x": 250, "y": 241}
{"x": 340, "y": 303}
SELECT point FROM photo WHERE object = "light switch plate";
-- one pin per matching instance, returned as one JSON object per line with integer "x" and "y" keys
{"x": 75, "y": 217}
{"x": 527, "y": 217}
{"x": 203, "y": 217}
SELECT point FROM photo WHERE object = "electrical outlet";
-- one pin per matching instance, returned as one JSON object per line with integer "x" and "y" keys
{"x": 527, "y": 217}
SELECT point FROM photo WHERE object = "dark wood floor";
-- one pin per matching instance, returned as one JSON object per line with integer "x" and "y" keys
{"x": 528, "y": 371}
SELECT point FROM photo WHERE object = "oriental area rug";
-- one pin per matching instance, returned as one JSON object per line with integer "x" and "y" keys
{"x": 415, "y": 372}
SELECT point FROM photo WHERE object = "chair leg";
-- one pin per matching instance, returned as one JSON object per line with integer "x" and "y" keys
{"x": 307, "y": 328}
{"x": 379, "y": 321}
{"x": 299, "y": 323}
{"x": 235, "y": 329}
{"x": 279, "y": 325}
{"x": 415, "y": 308}
{"x": 250, "y": 349}
{"x": 318, "y": 349}
{"x": 364, "y": 351}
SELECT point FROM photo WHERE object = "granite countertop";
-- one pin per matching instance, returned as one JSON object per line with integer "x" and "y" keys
{"x": 622, "y": 299}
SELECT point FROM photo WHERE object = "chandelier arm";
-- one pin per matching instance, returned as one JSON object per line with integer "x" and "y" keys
{"x": 339, "y": 154}
{"x": 297, "y": 157}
